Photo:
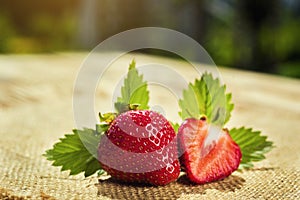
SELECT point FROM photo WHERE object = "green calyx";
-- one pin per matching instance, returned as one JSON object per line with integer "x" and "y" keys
{"x": 123, "y": 107}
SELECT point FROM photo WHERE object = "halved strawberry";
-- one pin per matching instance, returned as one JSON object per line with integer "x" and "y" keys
{"x": 208, "y": 153}
{"x": 140, "y": 146}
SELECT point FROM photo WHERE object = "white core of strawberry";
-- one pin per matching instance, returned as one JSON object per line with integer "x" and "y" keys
{"x": 214, "y": 133}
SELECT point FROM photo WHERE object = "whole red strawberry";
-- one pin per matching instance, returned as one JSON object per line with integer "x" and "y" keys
{"x": 208, "y": 152}
{"x": 140, "y": 146}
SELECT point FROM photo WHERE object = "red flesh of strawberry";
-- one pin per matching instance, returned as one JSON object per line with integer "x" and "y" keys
{"x": 208, "y": 153}
{"x": 140, "y": 146}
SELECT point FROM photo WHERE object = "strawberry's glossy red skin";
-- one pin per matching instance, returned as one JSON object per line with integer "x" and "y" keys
{"x": 206, "y": 161}
{"x": 140, "y": 146}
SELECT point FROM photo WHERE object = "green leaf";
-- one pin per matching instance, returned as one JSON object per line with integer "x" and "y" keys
{"x": 134, "y": 91}
{"x": 76, "y": 152}
{"x": 175, "y": 126}
{"x": 102, "y": 128}
{"x": 253, "y": 145}
{"x": 206, "y": 97}
{"x": 100, "y": 172}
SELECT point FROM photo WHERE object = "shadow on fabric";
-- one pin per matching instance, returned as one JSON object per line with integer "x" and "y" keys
{"x": 116, "y": 190}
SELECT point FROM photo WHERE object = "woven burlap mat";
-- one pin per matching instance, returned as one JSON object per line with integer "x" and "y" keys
{"x": 36, "y": 109}
{"x": 33, "y": 178}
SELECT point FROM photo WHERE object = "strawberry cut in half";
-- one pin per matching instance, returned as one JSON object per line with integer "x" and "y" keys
{"x": 140, "y": 147}
{"x": 208, "y": 153}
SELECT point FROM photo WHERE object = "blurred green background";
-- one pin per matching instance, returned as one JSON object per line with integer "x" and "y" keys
{"x": 259, "y": 35}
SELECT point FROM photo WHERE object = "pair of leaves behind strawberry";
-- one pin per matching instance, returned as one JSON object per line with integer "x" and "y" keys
{"x": 205, "y": 97}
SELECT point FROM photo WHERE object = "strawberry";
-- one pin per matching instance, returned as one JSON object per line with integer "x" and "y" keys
{"x": 140, "y": 146}
{"x": 208, "y": 153}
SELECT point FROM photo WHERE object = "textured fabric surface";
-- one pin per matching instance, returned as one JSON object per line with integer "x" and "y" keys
{"x": 36, "y": 109}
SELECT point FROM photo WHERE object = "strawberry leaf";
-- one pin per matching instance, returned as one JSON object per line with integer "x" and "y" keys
{"x": 102, "y": 128}
{"x": 76, "y": 152}
{"x": 175, "y": 126}
{"x": 253, "y": 145}
{"x": 206, "y": 97}
{"x": 133, "y": 92}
